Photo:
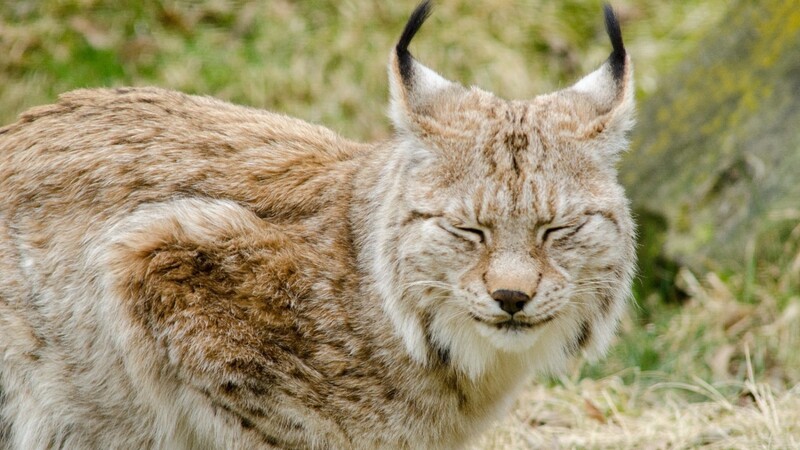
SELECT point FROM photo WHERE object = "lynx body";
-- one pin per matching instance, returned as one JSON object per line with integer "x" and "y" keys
{"x": 179, "y": 272}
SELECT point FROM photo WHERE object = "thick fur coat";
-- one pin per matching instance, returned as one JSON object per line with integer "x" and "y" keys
{"x": 179, "y": 272}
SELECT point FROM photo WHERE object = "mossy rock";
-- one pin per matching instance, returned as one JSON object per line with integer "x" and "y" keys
{"x": 715, "y": 159}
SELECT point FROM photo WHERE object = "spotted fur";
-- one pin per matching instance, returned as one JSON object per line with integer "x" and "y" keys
{"x": 179, "y": 272}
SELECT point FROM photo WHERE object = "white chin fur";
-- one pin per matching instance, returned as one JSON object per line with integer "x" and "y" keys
{"x": 514, "y": 341}
{"x": 477, "y": 349}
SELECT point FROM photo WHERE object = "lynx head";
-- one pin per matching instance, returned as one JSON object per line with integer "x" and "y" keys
{"x": 502, "y": 227}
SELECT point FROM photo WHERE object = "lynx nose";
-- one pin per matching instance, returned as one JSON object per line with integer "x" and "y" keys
{"x": 510, "y": 301}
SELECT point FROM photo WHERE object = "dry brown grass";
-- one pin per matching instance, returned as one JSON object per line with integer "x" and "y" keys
{"x": 735, "y": 383}
{"x": 610, "y": 414}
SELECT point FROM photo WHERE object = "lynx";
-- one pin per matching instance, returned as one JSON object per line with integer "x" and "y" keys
{"x": 178, "y": 272}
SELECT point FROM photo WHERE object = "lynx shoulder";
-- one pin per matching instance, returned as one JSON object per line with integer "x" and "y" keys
{"x": 179, "y": 272}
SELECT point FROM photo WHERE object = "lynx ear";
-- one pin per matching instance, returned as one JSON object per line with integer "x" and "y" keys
{"x": 609, "y": 90}
{"x": 414, "y": 88}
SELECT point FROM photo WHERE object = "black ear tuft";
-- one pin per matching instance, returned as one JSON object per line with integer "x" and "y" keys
{"x": 617, "y": 57}
{"x": 413, "y": 25}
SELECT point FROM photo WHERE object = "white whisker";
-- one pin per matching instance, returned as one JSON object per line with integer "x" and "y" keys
{"x": 427, "y": 283}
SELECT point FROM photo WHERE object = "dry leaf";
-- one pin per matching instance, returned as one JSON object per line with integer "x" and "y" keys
{"x": 593, "y": 411}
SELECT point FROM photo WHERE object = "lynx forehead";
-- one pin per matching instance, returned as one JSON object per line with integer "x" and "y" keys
{"x": 180, "y": 272}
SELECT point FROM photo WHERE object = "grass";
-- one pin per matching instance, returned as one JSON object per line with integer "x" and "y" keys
{"x": 323, "y": 61}
{"x": 724, "y": 374}
{"x": 707, "y": 361}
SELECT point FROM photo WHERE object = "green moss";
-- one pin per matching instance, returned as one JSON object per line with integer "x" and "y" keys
{"x": 731, "y": 108}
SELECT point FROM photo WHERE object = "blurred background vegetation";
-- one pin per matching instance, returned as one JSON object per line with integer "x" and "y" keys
{"x": 712, "y": 170}
{"x": 322, "y": 60}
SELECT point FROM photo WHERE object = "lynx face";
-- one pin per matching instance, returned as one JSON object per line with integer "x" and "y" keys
{"x": 507, "y": 232}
